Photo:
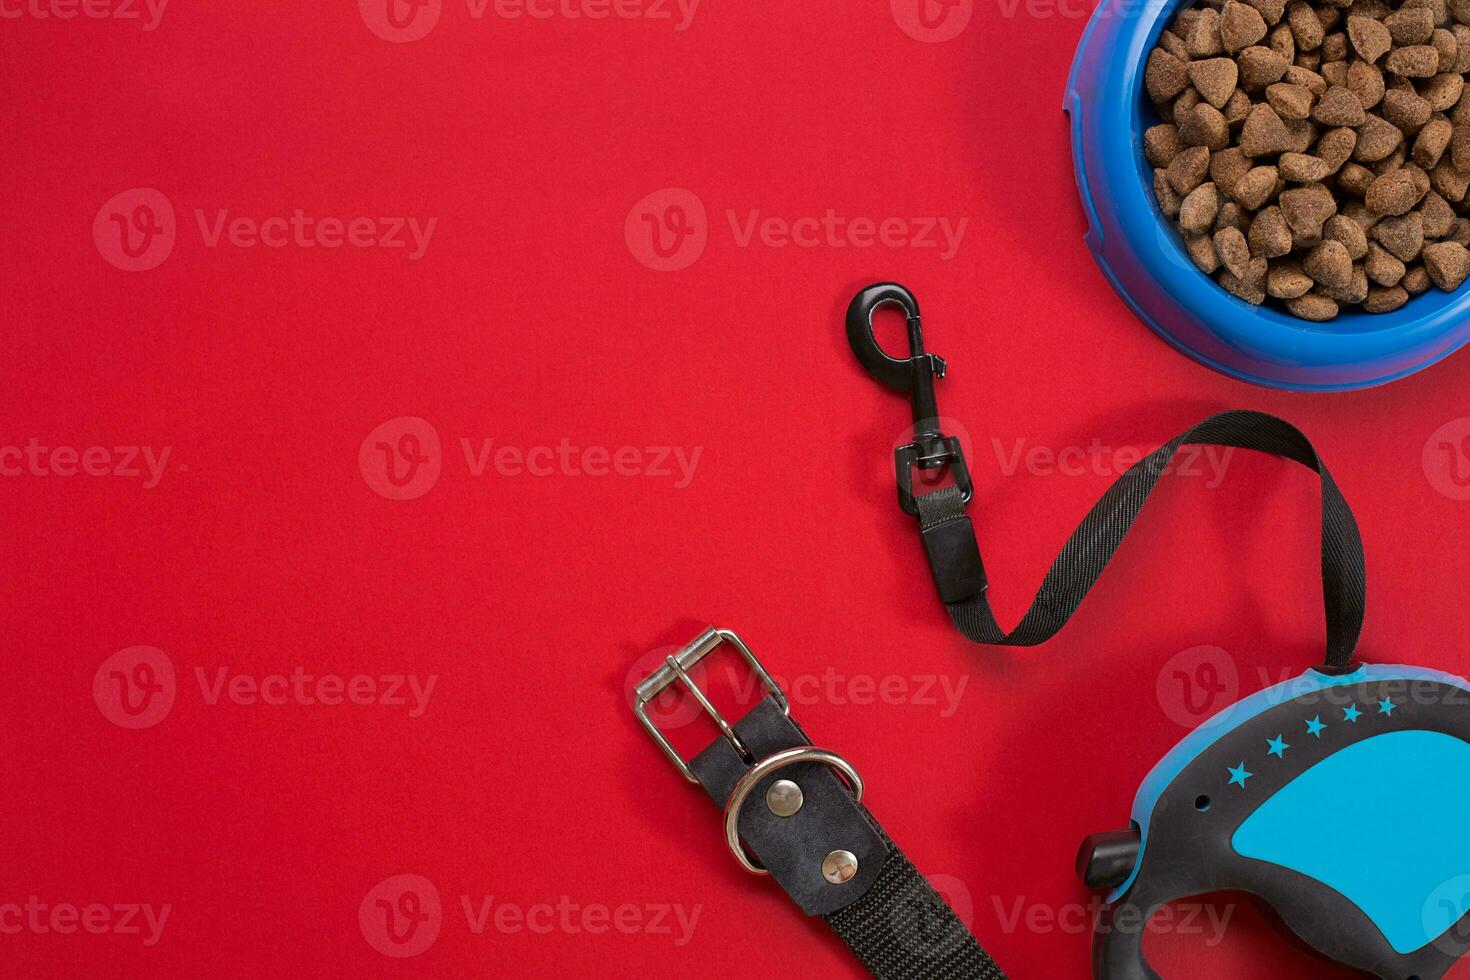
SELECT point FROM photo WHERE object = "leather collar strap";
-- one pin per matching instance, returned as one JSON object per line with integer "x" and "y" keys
{"x": 954, "y": 555}
{"x": 789, "y": 815}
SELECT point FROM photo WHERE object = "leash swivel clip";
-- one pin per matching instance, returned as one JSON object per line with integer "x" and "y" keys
{"x": 915, "y": 374}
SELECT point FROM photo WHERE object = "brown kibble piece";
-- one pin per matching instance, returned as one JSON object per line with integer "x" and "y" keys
{"x": 1355, "y": 179}
{"x": 1370, "y": 38}
{"x": 1234, "y": 253}
{"x": 1198, "y": 210}
{"x": 1306, "y": 28}
{"x": 1306, "y": 209}
{"x": 1214, "y": 79}
{"x": 1286, "y": 280}
{"x": 1340, "y": 228}
{"x": 1204, "y": 125}
{"x": 1339, "y": 107}
{"x": 1260, "y": 67}
{"x": 1403, "y": 236}
{"x": 1351, "y": 293}
{"x": 1169, "y": 199}
{"x": 1415, "y": 61}
{"x": 1336, "y": 147}
{"x": 1448, "y": 264}
{"x": 1227, "y": 167}
{"x": 1283, "y": 42}
{"x": 1232, "y": 215}
{"x": 1439, "y": 217}
{"x": 1329, "y": 264}
{"x": 1264, "y": 134}
{"x": 1381, "y": 300}
{"x": 1250, "y": 287}
{"x": 1290, "y": 101}
{"x": 1416, "y": 280}
{"x": 1203, "y": 37}
{"x": 1188, "y": 169}
{"x": 1237, "y": 107}
{"x": 1310, "y": 60}
{"x": 1462, "y": 39}
{"x": 1366, "y": 82}
{"x": 1271, "y": 10}
{"x": 1430, "y": 144}
{"x": 1377, "y": 139}
{"x": 1448, "y": 47}
{"x": 1335, "y": 72}
{"x": 1461, "y": 232}
{"x": 1307, "y": 79}
{"x": 1240, "y": 26}
{"x": 1254, "y": 188}
{"x": 1161, "y": 144}
{"x": 1450, "y": 182}
{"x": 1334, "y": 49}
{"x": 1313, "y": 306}
{"x": 1382, "y": 266}
{"x": 1164, "y": 76}
{"x": 1410, "y": 25}
{"x": 1460, "y": 148}
{"x": 1394, "y": 193}
{"x": 1201, "y": 249}
{"x": 1269, "y": 236}
{"x": 1443, "y": 91}
{"x": 1301, "y": 168}
{"x": 1405, "y": 109}
{"x": 1303, "y": 134}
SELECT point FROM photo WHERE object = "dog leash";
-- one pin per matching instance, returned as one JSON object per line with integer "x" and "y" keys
{"x": 949, "y": 536}
{"x": 794, "y": 811}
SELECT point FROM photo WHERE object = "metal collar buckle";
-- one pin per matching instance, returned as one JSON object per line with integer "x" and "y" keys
{"x": 675, "y": 670}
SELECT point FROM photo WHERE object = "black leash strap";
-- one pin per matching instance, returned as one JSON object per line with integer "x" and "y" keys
{"x": 794, "y": 811}
{"x": 949, "y": 537}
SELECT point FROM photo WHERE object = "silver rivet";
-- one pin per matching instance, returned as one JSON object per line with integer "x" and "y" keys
{"x": 839, "y": 867}
{"x": 784, "y": 798}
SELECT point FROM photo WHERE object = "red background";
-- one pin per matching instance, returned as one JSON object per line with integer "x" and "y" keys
{"x": 530, "y": 320}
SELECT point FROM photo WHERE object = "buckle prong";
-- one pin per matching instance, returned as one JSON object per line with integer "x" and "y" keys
{"x": 675, "y": 670}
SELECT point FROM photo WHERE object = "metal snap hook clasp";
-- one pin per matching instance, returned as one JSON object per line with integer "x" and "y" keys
{"x": 915, "y": 374}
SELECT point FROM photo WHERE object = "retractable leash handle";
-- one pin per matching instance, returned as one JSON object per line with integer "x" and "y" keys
{"x": 1239, "y": 805}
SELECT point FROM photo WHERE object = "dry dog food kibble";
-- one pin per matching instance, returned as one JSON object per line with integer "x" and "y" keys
{"x": 1316, "y": 153}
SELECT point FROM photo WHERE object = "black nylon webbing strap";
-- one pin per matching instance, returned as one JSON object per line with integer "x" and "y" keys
{"x": 1087, "y": 553}
{"x": 902, "y": 929}
{"x": 891, "y": 918}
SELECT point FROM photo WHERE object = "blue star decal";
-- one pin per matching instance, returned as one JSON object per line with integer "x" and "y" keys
{"x": 1278, "y": 746}
{"x": 1386, "y": 706}
{"x": 1315, "y": 726}
{"x": 1351, "y": 713}
{"x": 1238, "y": 776}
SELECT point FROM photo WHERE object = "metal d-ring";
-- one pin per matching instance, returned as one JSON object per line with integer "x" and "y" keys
{"x": 764, "y": 768}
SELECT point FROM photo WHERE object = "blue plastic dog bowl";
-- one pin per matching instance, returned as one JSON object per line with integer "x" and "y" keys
{"x": 1142, "y": 253}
